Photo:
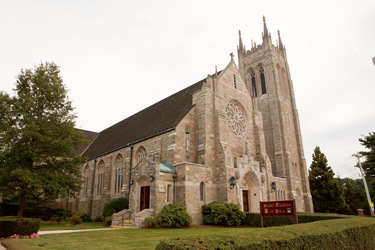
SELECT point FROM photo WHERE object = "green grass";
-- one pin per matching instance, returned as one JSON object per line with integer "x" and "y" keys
{"x": 50, "y": 225}
{"x": 115, "y": 239}
{"x": 149, "y": 238}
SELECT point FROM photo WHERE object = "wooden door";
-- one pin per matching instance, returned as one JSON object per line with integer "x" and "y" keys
{"x": 145, "y": 198}
{"x": 245, "y": 200}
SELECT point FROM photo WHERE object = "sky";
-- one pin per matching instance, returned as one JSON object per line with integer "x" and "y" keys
{"x": 119, "y": 57}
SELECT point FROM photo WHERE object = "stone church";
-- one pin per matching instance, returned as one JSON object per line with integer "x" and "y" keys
{"x": 233, "y": 136}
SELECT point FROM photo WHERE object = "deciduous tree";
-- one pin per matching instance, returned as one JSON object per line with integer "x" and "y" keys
{"x": 38, "y": 141}
{"x": 355, "y": 196}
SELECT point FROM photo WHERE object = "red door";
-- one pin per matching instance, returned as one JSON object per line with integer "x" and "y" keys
{"x": 145, "y": 198}
{"x": 245, "y": 199}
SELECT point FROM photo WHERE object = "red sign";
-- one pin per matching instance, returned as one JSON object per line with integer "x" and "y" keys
{"x": 277, "y": 208}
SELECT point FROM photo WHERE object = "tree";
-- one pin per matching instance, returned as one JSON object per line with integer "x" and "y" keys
{"x": 369, "y": 165}
{"x": 355, "y": 196}
{"x": 38, "y": 141}
{"x": 327, "y": 194}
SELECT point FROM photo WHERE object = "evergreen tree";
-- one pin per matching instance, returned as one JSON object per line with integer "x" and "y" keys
{"x": 327, "y": 194}
{"x": 369, "y": 165}
{"x": 38, "y": 141}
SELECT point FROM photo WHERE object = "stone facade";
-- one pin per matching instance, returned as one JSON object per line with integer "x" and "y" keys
{"x": 238, "y": 141}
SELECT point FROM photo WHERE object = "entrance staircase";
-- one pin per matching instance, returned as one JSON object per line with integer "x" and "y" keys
{"x": 128, "y": 219}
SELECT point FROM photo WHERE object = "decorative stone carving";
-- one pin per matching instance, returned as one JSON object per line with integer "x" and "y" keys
{"x": 236, "y": 118}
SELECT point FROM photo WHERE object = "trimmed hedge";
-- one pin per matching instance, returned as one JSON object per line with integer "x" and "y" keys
{"x": 349, "y": 233}
{"x": 253, "y": 219}
{"x": 16, "y": 225}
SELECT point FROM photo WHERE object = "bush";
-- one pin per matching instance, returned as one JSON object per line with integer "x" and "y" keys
{"x": 151, "y": 222}
{"x": 98, "y": 218}
{"x": 16, "y": 225}
{"x": 62, "y": 213}
{"x": 353, "y": 233}
{"x": 86, "y": 218}
{"x": 222, "y": 213}
{"x": 107, "y": 221}
{"x": 75, "y": 220}
{"x": 174, "y": 216}
{"x": 56, "y": 218}
{"x": 42, "y": 212}
{"x": 114, "y": 206}
{"x": 253, "y": 219}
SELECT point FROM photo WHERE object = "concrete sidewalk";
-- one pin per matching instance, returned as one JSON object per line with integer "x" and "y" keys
{"x": 75, "y": 231}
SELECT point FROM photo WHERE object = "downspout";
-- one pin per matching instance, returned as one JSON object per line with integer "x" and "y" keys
{"x": 92, "y": 188}
{"x": 130, "y": 169}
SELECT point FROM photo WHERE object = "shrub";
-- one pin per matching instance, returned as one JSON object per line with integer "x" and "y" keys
{"x": 174, "y": 216}
{"x": 253, "y": 219}
{"x": 16, "y": 225}
{"x": 107, "y": 221}
{"x": 39, "y": 211}
{"x": 151, "y": 222}
{"x": 114, "y": 206}
{"x": 98, "y": 218}
{"x": 86, "y": 218}
{"x": 56, "y": 218}
{"x": 61, "y": 214}
{"x": 222, "y": 213}
{"x": 75, "y": 220}
{"x": 353, "y": 233}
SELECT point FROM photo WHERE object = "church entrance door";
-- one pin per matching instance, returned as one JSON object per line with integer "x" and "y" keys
{"x": 245, "y": 199}
{"x": 145, "y": 198}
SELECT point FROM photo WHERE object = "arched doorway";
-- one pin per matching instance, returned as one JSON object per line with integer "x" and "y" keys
{"x": 250, "y": 189}
{"x": 144, "y": 189}
{"x": 144, "y": 198}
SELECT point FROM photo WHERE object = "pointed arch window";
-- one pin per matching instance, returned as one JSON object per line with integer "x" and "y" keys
{"x": 169, "y": 193}
{"x": 119, "y": 174}
{"x": 234, "y": 81}
{"x": 254, "y": 84}
{"x": 86, "y": 181}
{"x": 100, "y": 180}
{"x": 202, "y": 191}
{"x": 141, "y": 153}
{"x": 187, "y": 142}
{"x": 263, "y": 81}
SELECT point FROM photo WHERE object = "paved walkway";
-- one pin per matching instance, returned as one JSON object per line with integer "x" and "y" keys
{"x": 74, "y": 231}
{"x": 67, "y": 231}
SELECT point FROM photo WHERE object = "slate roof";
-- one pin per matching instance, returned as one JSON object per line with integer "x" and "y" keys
{"x": 159, "y": 118}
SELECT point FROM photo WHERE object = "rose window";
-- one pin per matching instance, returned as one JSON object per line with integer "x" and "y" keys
{"x": 236, "y": 118}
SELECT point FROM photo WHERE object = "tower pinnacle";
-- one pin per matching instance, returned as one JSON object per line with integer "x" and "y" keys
{"x": 281, "y": 46}
{"x": 265, "y": 30}
{"x": 240, "y": 40}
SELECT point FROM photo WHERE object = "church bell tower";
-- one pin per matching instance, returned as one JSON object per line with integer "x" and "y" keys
{"x": 266, "y": 73}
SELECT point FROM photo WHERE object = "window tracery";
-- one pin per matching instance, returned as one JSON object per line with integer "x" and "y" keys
{"x": 236, "y": 118}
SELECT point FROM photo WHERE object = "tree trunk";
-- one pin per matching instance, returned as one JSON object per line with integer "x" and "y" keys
{"x": 21, "y": 205}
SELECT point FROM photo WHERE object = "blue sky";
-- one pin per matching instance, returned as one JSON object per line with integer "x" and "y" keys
{"x": 118, "y": 57}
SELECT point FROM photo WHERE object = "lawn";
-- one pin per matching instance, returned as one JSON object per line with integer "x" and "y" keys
{"x": 149, "y": 238}
{"x": 50, "y": 225}
{"x": 115, "y": 239}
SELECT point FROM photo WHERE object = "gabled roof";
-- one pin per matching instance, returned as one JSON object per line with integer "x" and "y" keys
{"x": 159, "y": 118}
{"x": 89, "y": 138}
